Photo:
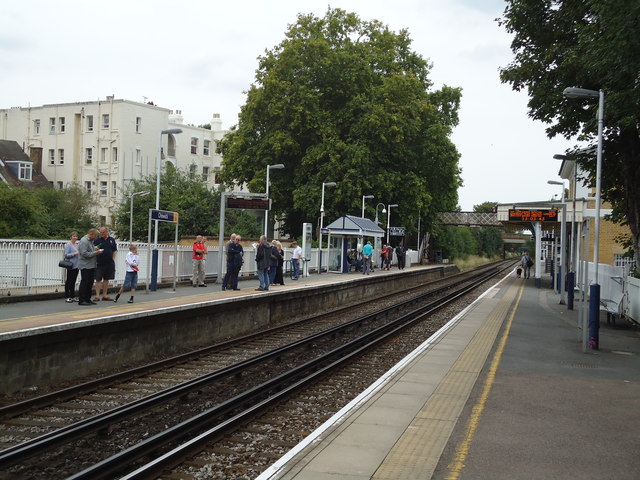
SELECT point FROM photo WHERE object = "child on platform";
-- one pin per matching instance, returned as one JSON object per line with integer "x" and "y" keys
{"x": 131, "y": 277}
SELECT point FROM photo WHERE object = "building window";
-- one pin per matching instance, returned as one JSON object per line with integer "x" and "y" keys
{"x": 89, "y": 123}
{"x": 138, "y": 156}
{"x": 115, "y": 154}
{"x": 87, "y": 186}
{"x": 103, "y": 189}
{"x": 60, "y": 185}
{"x": 61, "y": 156}
{"x": 194, "y": 145}
{"x": 205, "y": 174}
{"x": 88, "y": 157}
{"x": 105, "y": 120}
{"x": 52, "y": 156}
{"x": 114, "y": 189}
{"x": 619, "y": 260}
{"x": 138, "y": 124}
{"x": 61, "y": 124}
{"x": 52, "y": 125}
{"x": 36, "y": 127}
{"x": 24, "y": 171}
{"x": 103, "y": 155}
{"x": 206, "y": 147}
{"x": 192, "y": 170}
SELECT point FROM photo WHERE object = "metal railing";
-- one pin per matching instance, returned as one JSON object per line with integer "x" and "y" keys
{"x": 29, "y": 267}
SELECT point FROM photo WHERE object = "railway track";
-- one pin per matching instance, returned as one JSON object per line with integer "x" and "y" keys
{"x": 255, "y": 372}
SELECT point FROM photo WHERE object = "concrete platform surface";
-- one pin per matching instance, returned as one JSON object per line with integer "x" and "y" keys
{"x": 504, "y": 391}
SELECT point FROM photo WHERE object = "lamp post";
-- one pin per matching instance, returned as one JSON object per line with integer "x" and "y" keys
{"x": 363, "y": 197}
{"x": 170, "y": 131}
{"x": 384, "y": 210}
{"x": 563, "y": 241}
{"x": 389, "y": 218}
{"x": 266, "y": 212}
{"x": 572, "y": 261}
{"x": 154, "y": 257}
{"x": 324, "y": 184}
{"x": 134, "y": 194}
{"x": 594, "y": 289}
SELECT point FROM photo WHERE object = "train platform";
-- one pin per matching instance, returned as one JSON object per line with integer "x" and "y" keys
{"x": 38, "y": 311}
{"x": 503, "y": 391}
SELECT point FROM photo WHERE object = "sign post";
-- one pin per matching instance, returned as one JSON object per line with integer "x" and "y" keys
{"x": 239, "y": 200}
{"x": 152, "y": 274}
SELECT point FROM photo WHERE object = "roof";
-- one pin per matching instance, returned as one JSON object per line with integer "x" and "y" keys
{"x": 10, "y": 153}
{"x": 348, "y": 225}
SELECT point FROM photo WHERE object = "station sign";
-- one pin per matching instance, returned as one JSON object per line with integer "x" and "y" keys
{"x": 164, "y": 216}
{"x": 533, "y": 215}
{"x": 248, "y": 203}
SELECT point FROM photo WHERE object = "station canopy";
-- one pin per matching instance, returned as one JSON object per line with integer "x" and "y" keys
{"x": 354, "y": 226}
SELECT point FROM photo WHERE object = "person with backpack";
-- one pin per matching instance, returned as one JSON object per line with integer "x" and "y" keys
{"x": 527, "y": 263}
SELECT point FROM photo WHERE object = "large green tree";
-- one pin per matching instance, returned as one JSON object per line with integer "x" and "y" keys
{"x": 346, "y": 100}
{"x": 45, "y": 212}
{"x": 593, "y": 44}
{"x": 185, "y": 193}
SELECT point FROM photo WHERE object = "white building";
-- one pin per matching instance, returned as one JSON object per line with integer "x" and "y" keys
{"x": 103, "y": 145}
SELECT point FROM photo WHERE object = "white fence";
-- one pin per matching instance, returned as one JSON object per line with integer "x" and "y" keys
{"x": 632, "y": 291}
{"x": 30, "y": 267}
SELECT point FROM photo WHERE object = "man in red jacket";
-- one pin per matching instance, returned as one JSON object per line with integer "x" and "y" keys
{"x": 199, "y": 251}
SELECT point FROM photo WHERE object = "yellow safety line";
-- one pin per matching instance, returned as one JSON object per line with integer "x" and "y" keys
{"x": 462, "y": 450}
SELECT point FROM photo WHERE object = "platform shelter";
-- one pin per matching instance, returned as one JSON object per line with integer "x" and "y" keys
{"x": 348, "y": 234}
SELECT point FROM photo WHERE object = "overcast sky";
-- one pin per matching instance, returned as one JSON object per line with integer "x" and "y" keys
{"x": 201, "y": 56}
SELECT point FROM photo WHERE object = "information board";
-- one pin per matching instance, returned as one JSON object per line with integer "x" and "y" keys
{"x": 396, "y": 231}
{"x": 164, "y": 216}
{"x": 248, "y": 203}
{"x": 533, "y": 215}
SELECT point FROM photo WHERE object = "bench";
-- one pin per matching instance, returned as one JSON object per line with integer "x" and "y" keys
{"x": 612, "y": 306}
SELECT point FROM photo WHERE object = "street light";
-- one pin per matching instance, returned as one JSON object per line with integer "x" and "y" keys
{"x": 134, "y": 194}
{"x": 594, "y": 289}
{"x": 363, "y": 197}
{"x": 562, "y": 241}
{"x": 389, "y": 218}
{"x": 572, "y": 261}
{"x": 324, "y": 184}
{"x": 384, "y": 210}
{"x": 278, "y": 166}
{"x": 170, "y": 131}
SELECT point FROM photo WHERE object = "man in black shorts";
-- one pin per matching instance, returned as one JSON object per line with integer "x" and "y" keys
{"x": 106, "y": 266}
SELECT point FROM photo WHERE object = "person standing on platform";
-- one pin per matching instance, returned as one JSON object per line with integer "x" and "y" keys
{"x": 199, "y": 250}
{"x": 526, "y": 263}
{"x": 279, "y": 273}
{"x": 401, "y": 253}
{"x": 274, "y": 258}
{"x": 295, "y": 260}
{"x": 367, "y": 252}
{"x": 71, "y": 254}
{"x": 132, "y": 263}
{"x": 387, "y": 254}
{"x": 87, "y": 253}
{"x": 231, "y": 252}
{"x": 263, "y": 252}
{"x": 238, "y": 260}
{"x": 106, "y": 265}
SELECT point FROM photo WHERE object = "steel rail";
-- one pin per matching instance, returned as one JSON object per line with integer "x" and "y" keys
{"x": 258, "y": 398}
{"x": 103, "y": 421}
{"x": 14, "y": 409}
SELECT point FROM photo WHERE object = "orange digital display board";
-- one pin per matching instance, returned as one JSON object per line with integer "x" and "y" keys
{"x": 533, "y": 215}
